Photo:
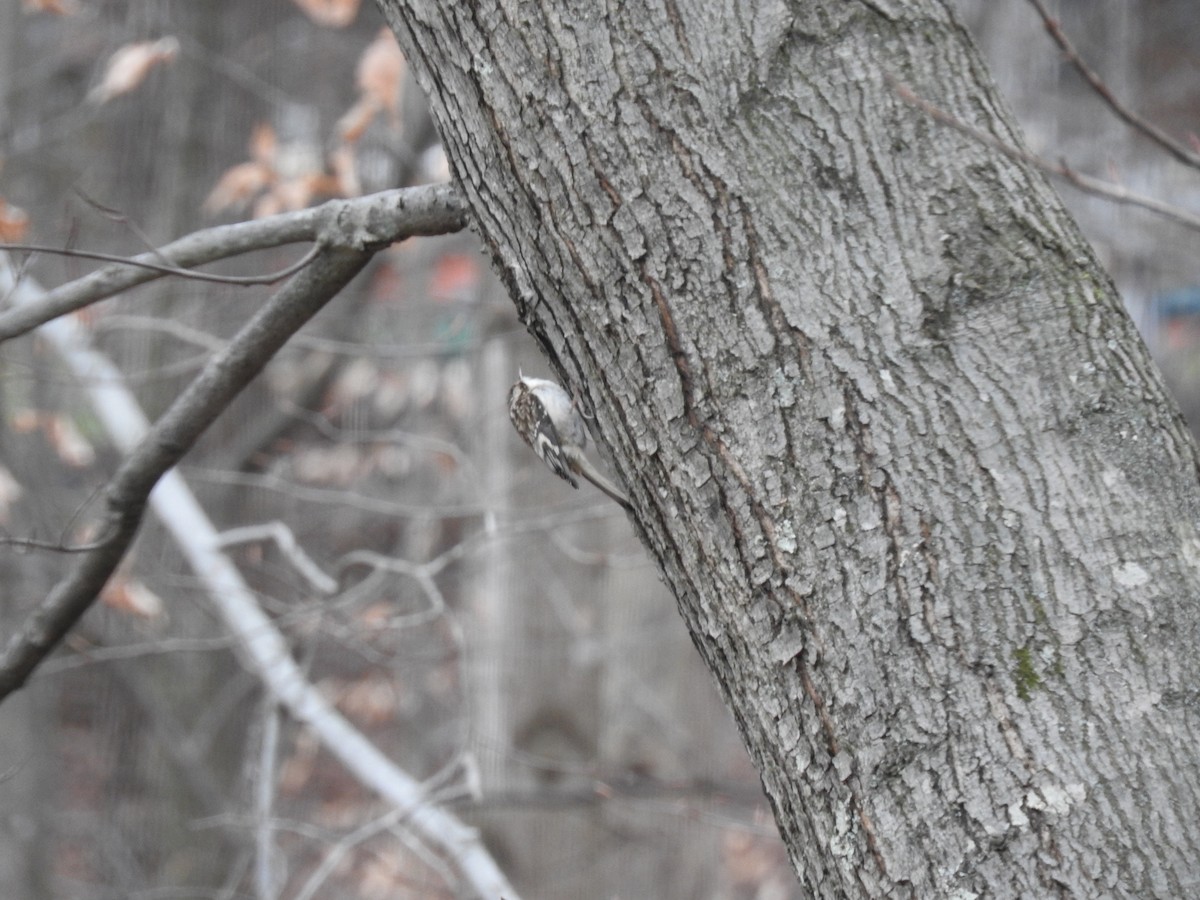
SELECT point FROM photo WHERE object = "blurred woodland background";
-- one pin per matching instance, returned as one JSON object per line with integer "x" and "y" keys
{"x": 501, "y": 637}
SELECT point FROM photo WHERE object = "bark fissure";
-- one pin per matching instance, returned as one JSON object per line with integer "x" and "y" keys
{"x": 720, "y": 214}
{"x": 895, "y": 444}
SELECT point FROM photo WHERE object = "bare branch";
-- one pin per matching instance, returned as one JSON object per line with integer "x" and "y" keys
{"x": 267, "y": 876}
{"x": 195, "y": 249}
{"x": 173, "y": 435}
{"x": 264, "y": 650}
{"x": 338, "y": 497}
{"x": 365, "y": 222}
{"x": 60, "y": 546}
{"x": 1143, "y": 126}
{"x": 1087, "y": 183}
{"x": 336, "y": 853}
{"x": 164, "y": 269}
{"x": 352, "y": 232}
{"x": 285, "y": 540}
{"x": 178, "y": 330}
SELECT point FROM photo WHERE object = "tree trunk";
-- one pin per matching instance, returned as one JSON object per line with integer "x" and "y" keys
{"x": 925, "y": 505}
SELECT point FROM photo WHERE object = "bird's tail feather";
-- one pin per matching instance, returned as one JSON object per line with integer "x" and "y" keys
{"x": 583, "y": 466}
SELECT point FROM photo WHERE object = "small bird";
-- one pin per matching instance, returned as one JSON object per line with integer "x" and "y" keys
{"x": 548, "y": 420}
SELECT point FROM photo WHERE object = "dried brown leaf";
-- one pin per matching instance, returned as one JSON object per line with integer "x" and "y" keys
{"x": 337, "y": 466}
{"x": 25, "y": 420}
{"x": 355, "y": 121}
{"x": 333, "y": 13}
{"x": 345, "y": 171}
{"x": 238, "y": 186}
{"x": 264, "y": 145}
{"x": 298, "y": 768}
{"x": 53, "y": 7}
{"x": 267, "y": 205}
{"x": 456, "y": 278}
{"x": 68, "y": 442}
{"x": 130, "y": 596}
{"x": 10, "y": 493}
{"x": 385, "y": 874}
{"x": 371, "y": 701}
{"x": 129, "y": 66}
{"x": 381, "y": 71}
{"x": 14, "y": 223}
{"x": 381, "y": 78}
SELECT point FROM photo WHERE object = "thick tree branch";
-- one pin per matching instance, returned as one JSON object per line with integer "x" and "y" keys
{"x": 362, "y": 222}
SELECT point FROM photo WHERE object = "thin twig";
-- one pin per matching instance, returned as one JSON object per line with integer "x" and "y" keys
{"x": 336, "y": 853}
{"x": 1088, "y": 183}
{"x": 115, "y": 215}
{"x": 359, "y": 223}
{"x": 184, "y": 333}
{"x": 283, "y": 538}
{"x": 164, "y": 269}
{"x": 52, "y": 546}
{"x": 1179, "y": 150}
{"x": 195, "y": 249}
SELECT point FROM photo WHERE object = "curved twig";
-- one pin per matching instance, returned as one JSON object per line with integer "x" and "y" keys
{"x": 361, "y": 222}
{"x": 1143, "y": 126}
{"x": 1088, "y": 183}
{"x": 164, "y": 269}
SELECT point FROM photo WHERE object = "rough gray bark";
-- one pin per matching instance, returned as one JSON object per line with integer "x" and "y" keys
{"x": 925, "y": 505}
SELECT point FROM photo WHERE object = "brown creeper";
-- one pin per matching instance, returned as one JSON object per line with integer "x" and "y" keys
{"x": 548, "y": 420}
